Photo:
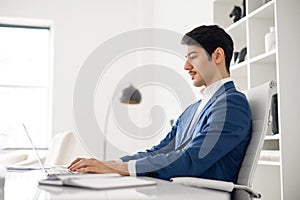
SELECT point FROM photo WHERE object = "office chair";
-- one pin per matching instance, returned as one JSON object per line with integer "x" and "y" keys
{"x": 65, "y": 148}
{"x": 259, "y": 99}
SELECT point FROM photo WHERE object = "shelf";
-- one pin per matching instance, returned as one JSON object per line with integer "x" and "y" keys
{"x": 271, "y": 145}
{"x": 259, "y": 66}
{"x": 272, "y": 137}
{"x": 278, "y": 171}
{"x": 267, "y": 57}
{"x": 260, "y": 21}
{"x": 241, "y": 24}
{"x": 269, "y": 163}
{"x": 238, "y": 33}
{"x": 270, "y": 157}
{"x": 266, "y": 11}
{"x": 238, "y": 66}
{"x": 239, "y": 74}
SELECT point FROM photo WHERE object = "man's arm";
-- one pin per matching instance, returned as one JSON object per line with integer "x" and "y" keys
{"x": 165, "y": 145}
{"x": 113, "y": 166}
{"x": 219, "y": 137}
{"x": 168, "y": 144}
{"x": 214, "y": 141}
{"x": 86, "y": 165}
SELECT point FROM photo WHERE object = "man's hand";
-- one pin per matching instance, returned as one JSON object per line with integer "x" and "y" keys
{"x": 85, "y": 165}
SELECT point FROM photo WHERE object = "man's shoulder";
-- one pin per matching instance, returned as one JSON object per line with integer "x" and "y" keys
{"x": 233, "y": 92}
{"x": 193, "y": 106}
{"x": 231, "y": 95}
{"x": 230, "y": 89}
{"x": 190, "y": 110}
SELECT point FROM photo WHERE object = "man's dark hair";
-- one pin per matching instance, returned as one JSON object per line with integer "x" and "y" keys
{"x": 210, "y": 38}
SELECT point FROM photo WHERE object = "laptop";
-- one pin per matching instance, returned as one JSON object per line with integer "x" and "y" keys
{"x": 51, "y": 172}
{"x": 60, "y": 176}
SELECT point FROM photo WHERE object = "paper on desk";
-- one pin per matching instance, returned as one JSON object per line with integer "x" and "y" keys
{"x": 61, "y": 179}
{"x": 64, "y": 177}
{"x": 108, "y": 182}
{"x": 29, "y": 167}
{"x": 97, "y": 181}
{"x": 16, "y": 168}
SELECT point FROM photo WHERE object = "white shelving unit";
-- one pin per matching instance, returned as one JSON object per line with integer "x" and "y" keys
{"x": 274, "y": 179}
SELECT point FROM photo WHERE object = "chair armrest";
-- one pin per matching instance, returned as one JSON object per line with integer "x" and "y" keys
{"x": 204, "y": 183}
{"x": 11, "y": 157}
{"x": 214, "y": 184}
{"x": 30, "y": 161}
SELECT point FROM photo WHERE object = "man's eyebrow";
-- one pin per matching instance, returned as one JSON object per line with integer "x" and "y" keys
{"x": 190, "y": 53}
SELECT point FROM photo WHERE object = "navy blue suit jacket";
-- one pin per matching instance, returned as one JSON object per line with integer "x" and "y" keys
{"x": 214, "y": 148}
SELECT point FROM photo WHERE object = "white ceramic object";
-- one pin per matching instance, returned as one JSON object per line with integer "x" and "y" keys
{"x": 270, "y": 39}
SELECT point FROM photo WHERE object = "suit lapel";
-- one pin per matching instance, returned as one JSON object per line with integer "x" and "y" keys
{"x": 188, "y": 136}
{"x": 187, "y": 123}
{"x": 219, "y": 92}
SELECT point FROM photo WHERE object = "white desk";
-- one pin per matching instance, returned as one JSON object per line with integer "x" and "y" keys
{"x": 23, "y": 186}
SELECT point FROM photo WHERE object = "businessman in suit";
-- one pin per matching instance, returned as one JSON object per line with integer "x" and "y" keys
{"x": 210, "y": 137}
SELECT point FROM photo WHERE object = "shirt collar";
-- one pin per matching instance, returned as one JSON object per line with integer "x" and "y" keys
{"x": 208, "y": 92}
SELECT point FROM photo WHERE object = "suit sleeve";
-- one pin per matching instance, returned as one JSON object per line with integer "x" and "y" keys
{"x": 166, "y": 145}
{"x": 226, "y": 124}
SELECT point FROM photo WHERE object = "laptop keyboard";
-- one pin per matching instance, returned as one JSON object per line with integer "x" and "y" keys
{"x": 59, "y": 171}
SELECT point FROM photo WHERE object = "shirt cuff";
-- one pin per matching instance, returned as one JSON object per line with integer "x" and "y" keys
{"x": 118, "y": 160}
{"x": 132, "y": 167}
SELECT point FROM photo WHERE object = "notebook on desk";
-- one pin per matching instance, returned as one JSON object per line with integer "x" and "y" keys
{"x": 65, "y": 177}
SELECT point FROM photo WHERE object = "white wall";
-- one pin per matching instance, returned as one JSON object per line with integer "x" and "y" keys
{"x": 82, "y": 25}
{"x": 182, "y": 15}
{"x": 176, "y": 15}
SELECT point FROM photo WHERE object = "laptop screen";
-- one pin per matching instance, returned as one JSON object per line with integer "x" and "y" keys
{"x": 35, "y": 151}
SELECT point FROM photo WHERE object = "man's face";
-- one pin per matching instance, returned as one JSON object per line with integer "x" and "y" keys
{"x": 200, "y": 66}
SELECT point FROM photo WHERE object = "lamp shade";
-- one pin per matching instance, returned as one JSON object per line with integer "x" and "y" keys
{"x": 131, "y": 95}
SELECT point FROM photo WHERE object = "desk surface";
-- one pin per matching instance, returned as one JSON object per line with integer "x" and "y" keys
{"x": 24, "y": 186}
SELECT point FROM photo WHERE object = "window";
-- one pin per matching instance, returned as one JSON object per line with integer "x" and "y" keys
{"x": 25, "y": 82}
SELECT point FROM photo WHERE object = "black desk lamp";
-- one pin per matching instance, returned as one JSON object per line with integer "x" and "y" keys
{"x": 131, "y": 95}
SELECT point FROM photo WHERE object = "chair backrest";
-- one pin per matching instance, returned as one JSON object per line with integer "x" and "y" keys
{"x": 259, "y": 99}
{"x": 65, "y": 148}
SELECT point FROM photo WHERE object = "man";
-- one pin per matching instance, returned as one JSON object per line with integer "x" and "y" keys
{"x": 210, "y": 137}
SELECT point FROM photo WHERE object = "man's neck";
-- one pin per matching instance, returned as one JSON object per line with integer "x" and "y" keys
{"x": 212, "y": 88}
{"x": 217, "y": 78}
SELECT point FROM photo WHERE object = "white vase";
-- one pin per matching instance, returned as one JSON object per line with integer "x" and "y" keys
{"x": 270, "y": 39}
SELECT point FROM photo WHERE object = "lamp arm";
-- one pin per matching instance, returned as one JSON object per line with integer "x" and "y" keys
{"x": 105, "y": 132}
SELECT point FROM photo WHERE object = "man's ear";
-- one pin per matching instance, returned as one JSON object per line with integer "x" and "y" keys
{"x": 218, "y": 56}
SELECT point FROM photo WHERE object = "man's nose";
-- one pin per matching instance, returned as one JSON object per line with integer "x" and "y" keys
{"x": 187, "y": 65}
